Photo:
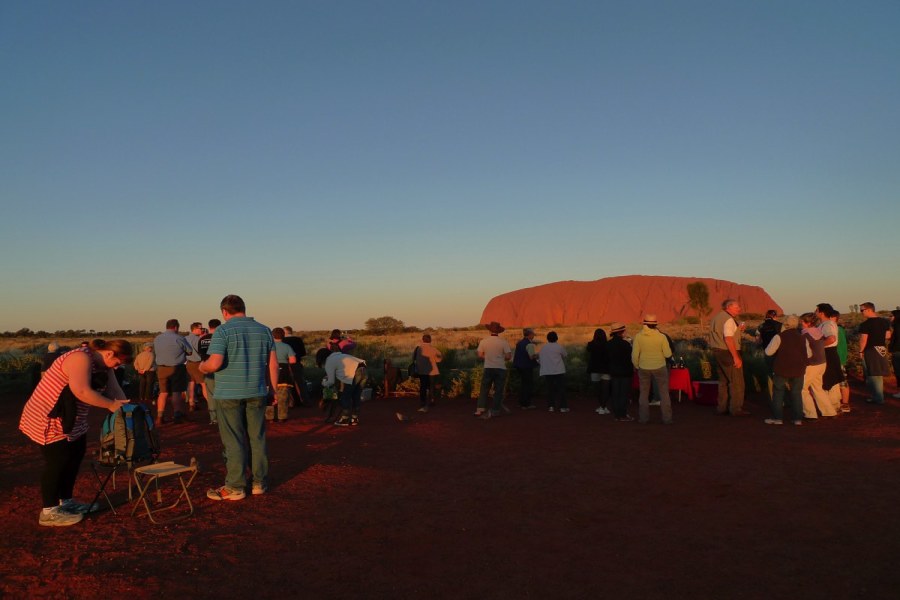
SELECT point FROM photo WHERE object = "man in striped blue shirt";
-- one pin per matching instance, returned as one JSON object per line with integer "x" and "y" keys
{"x": 241, "y": 354}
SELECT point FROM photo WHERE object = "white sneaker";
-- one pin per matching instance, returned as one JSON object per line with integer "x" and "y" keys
{"x": 564, "y": 410}
{"x": 57, "y": 517}
{"x": 258, "y": 489}
{"x": 601, "y": 411}
{"x": 897, "y": 395}
{"x": 551, "y": 409}
{"x": 774, "y": 422}
{"x": 654, "y": 403}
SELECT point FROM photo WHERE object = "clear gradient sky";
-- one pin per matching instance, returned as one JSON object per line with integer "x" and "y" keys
{"x": 335, "y": 161}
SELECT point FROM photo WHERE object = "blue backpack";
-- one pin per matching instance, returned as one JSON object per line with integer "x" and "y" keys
{"x": 128, "y": 435}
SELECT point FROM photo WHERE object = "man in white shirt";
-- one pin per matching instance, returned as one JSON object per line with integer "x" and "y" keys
{"x": 725, "y": 340}
{"x": 494, "y": 351}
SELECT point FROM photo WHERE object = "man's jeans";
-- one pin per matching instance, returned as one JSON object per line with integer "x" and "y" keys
{"x": 661, "y": 377}
{"x": 875, "y": 384}
{"x": 796, "y": 383}
{"x": 210, "y": 381}
{"x": 495, "y": 377}
{"x": 349, "y": 396}
{"x": 238, "y": 420}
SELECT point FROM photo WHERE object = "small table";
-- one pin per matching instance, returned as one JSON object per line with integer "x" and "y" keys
{"x": 680, "y": 379}
{"x": 151, "y": 474}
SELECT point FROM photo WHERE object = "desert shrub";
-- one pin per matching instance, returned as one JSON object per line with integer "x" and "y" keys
{"x": 475, "y": 376}
{"x": 458, "y": 384}
{"x": 409, "y": 384}
{"x": 470, "y": 342}
{"x": 19, "y": 370}
{"x": 373, "y": 352}
{"x": 17, "y": 361}
{"x": 383, "y": 325}
{"x": 457, "y": 358}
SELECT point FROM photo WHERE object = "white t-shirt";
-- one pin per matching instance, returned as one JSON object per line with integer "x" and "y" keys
{"x": 495, "y": 349}
{"x": 552, "y": 358}
{"x": 828, "y": 329}
{"x": 729, "y": 328}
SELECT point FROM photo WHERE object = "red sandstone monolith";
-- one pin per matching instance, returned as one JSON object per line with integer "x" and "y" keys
{"x": 624, "y": 299}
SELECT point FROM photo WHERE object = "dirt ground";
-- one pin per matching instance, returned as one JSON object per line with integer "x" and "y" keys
{"x": 529, "y": 505}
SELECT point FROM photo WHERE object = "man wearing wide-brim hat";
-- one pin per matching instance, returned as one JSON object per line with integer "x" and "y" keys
{"x": 621, "y": 370}
{"x": 649, "y": 354}
{"x": 494, "y": 351}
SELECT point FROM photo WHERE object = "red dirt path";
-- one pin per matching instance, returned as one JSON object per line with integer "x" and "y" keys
{"x": 531, "y": 505}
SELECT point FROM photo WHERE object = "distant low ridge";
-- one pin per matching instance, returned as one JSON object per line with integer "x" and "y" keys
{"x": 624, "y": 299}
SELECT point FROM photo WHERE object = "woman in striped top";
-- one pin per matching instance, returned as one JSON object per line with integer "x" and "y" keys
{"x": 87, "y": 374}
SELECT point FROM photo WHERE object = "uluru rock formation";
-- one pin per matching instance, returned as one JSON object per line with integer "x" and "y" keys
{"x": 624, "y": 299}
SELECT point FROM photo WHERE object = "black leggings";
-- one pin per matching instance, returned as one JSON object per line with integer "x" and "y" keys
{"x": 424, "y": 388}
{"x": 62, "y": 460}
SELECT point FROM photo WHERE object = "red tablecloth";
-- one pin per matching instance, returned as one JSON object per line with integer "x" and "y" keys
{"x": 679, "y": 381}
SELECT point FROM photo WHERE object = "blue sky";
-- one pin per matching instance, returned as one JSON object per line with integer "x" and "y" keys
{"x": 335, "y": 161}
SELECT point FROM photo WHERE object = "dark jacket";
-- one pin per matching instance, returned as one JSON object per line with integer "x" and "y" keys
{"x": 297, "y": 345}
{"x": 767, "y": 330}
{"x": 790, "y": 358}
{"x": 521, "y": 360}
{"x": 598, "y": 359}
{"x": 618, "y": 352}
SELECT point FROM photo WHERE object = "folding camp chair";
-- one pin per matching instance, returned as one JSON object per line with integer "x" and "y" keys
{"x": 150, "y": 476}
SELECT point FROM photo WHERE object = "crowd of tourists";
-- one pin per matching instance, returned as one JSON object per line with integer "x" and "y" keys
{"x": 233, "y": 363}
{"x": 250, "y": 374}
{"x": 806, "y": 358}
